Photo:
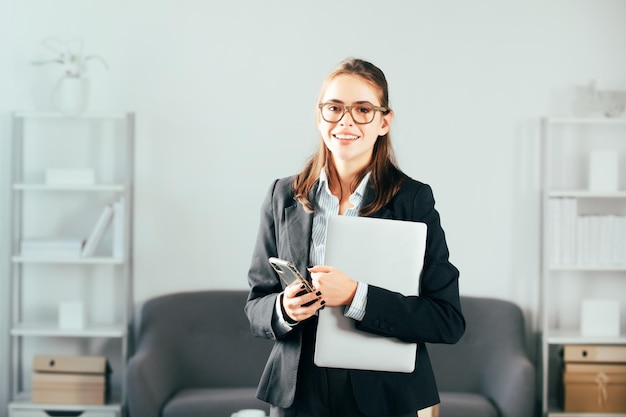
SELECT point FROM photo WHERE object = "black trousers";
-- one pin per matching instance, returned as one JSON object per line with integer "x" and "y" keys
{"x": 321, "y": 392}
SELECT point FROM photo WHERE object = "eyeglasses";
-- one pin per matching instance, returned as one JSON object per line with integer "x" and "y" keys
{"x": 364, "y": 113}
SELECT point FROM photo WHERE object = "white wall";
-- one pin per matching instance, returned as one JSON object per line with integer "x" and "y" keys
{"x": 225, "y": 91}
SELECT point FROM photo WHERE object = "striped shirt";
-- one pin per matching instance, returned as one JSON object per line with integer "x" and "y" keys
{"x": 328, "y": 205}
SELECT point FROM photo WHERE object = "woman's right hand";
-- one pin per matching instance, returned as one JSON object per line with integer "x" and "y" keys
{"x": 301, "y": 307}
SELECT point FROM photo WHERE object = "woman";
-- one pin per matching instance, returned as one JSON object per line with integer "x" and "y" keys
{"x": 353, "y": 173}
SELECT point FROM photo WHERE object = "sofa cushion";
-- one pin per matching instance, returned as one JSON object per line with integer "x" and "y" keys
{"x": 461, "y": 404}
{"x": 222, "y": 402}
{"x": 195, "y": 326}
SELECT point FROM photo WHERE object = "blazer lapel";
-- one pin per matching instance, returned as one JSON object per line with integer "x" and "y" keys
{"x": 299, "y": 228}
{"x": 383, "y": 212}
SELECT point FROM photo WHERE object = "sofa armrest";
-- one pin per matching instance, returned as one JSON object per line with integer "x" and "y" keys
{"x": 510, "y": 384}
{"x": 152, "y": 379}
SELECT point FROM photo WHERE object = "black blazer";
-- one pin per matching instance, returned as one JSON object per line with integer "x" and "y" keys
{"x": 434, "y": 316}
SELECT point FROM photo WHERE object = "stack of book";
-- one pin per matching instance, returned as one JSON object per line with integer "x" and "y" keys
{"x": 585, "y": 239}
{"x": 55, "y": 248}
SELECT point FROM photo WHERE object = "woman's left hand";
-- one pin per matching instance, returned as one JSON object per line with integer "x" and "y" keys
{"x": 336, "y": 287}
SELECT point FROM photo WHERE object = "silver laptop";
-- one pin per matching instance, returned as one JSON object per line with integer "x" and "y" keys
{"x": 381, "y": 252}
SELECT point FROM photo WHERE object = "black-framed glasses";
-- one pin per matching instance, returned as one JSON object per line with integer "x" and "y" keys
{"x": 361, "y": 113}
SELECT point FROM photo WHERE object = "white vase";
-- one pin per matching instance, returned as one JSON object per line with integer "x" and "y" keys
{"x": 71, "y": 95}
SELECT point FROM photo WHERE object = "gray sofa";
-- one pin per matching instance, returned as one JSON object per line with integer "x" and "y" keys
{"x": 487, "y": 373}
{"x": 195, "y": 357}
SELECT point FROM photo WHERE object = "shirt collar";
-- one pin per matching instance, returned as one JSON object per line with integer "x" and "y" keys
{"x": 359, "y": 192}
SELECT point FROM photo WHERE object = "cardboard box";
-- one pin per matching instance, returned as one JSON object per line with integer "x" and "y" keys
{"x": 595, "y": 353}
{"x": 595, "y": 387}
{"x": 70, "y": 379}
{"x": 60, "y": 388}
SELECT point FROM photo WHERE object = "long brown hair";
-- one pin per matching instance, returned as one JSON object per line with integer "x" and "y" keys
{"x": 385, "y": 177}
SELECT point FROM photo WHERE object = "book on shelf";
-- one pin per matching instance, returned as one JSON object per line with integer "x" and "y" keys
{"x": 98, "y": 231}
{"x": 119, "y": 226}
{"x": 52, "y": 247}
{"x": 602, "y": 240}
{"x": 562, "y": 230}
{"x": 113, "y": 215}
{"x": 554, "y": 230}
{"x": 584, "y": 239}
{"x": 569, "y": 208}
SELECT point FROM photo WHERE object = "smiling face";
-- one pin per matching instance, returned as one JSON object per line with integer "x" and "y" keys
{"x": 352, "y": 144}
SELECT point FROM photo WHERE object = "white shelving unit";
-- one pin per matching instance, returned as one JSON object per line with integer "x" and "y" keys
{"x": 103, "y": 143}
{"x": 566, "y": 144}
